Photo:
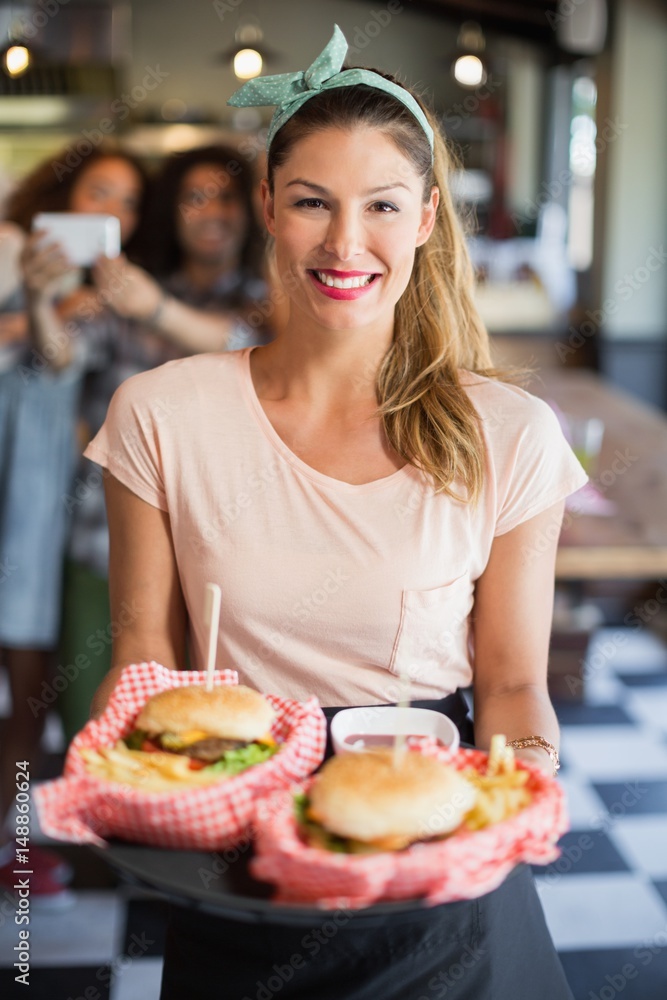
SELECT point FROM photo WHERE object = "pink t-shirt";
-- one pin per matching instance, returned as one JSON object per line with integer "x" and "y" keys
{"x": 328, "y": 588}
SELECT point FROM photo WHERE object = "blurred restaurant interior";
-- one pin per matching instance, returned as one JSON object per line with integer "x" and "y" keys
{"x": 556, "y": 112}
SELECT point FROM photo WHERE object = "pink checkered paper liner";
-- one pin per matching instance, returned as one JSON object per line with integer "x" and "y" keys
{"x": 84, "y": 809}
{"x": 464, "y": 866}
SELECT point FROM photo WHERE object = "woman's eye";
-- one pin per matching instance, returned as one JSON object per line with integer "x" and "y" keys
{"x": 384, "y": 207}
{"x": 310, "y": 203}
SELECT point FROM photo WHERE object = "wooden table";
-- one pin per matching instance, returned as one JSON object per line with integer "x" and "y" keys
{"x": 631, "y": 544}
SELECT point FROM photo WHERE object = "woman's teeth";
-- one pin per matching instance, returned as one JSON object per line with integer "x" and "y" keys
{"x": 358, "y": 282}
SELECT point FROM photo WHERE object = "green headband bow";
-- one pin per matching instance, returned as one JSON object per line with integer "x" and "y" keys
{"x": 290, "y": 90}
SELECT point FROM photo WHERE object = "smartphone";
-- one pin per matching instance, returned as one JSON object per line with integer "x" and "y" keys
{"x": 82, "y": 235}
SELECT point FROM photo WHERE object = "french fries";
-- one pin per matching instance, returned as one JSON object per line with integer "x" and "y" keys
{"x": 501, "y": 791}
{"x": 150, "y": 772}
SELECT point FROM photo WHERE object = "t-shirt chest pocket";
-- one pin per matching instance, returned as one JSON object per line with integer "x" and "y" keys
{"x": 433, "y": 625}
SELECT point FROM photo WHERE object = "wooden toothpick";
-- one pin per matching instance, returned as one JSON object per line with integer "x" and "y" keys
{"x": 212, "y": 619}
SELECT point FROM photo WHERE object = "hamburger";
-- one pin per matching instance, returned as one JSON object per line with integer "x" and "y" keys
{"x": 364, "y": 802}
{"x": 192, "y": 736}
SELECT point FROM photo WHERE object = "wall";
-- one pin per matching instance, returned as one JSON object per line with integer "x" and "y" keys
{"x": 634, "y": 275}
{"x": 525, "y": 96}
{"x": 185, "y": 38}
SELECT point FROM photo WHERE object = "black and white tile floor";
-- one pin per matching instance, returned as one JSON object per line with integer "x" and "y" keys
{"x": 605, "y": 899}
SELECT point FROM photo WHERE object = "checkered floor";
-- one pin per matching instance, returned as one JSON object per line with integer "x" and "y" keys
{"x": 605, "y": 898}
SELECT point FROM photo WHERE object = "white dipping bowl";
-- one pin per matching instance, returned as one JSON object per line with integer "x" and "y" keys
{"x": 387, "y": 720}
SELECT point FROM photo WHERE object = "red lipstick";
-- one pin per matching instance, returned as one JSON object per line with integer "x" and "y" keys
{"x": 345, "y": 294}
{"x": 343, "y": 274}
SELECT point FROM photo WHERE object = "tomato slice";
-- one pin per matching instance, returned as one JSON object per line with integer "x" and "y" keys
{"x": 196, "y": 765}
{"x": 149, "y": 747}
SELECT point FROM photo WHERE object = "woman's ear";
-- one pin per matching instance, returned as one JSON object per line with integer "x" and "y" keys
{"x": 268, "y": 207}
{"x": 428, "y": 217}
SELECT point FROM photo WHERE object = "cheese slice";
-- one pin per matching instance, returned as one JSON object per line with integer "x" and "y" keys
{"x": 192, "y": 736}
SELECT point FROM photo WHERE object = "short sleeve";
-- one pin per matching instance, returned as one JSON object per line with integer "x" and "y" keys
{"x": 534, "y": 464}
{"x": 128, "y": 443}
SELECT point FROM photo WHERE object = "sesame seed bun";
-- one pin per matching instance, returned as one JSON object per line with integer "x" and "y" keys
{"x": 230, "y": 712}
{"x": 363, "y": 796}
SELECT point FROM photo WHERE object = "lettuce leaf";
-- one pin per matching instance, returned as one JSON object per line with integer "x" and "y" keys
{"x": 314, "y": 833}
{"x": 301, "y": 803}
{"x": 135, "y": 739}
{"x": 236, "y": 761}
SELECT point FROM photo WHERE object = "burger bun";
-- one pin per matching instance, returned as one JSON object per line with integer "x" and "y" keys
{"x": 366, "y": 797}
{"x": 230, "y": 712}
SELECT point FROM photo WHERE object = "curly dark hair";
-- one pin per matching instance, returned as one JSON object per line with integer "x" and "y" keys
{"x": 161, "y": 251}
{"x": 49, "y": 187}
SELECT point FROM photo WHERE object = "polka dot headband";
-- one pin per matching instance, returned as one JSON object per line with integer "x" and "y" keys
{"x": 288, "y": 91}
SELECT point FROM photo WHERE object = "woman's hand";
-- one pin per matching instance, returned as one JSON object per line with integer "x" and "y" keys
{"x": 537, "y": 757}
{"x": 43, "y": 266}
{"x": 131, "y": 292}
{"x": 127, "y": 289}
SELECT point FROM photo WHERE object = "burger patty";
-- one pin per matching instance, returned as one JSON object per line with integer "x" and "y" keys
{"x": 211, "y": 749}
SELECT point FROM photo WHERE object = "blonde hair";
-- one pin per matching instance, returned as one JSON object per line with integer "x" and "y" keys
{"x": 427, "y": 415}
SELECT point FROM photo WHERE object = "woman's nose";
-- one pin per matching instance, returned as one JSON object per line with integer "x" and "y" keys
{"x": 344, "y": 236}
{"x": 213, "y": 207}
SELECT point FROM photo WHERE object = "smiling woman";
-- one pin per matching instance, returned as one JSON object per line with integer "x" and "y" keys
{"x": 334, "y": 226}
{"x": 408, "y": 485}
{"x": 337, "y": 238}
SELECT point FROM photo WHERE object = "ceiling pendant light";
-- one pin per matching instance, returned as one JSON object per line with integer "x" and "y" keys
{"x": 248, "y": 54}
{"x": 247, "y": 64}
{"x": 469, "y": 68}
{"x": 15, "y": 56}
{"x": 16, "y": 60}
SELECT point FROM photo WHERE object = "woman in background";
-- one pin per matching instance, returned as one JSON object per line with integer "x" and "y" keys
{"x": 38, "y": 409}
{"x": 202, "y": 239}
{"x": 201, "y": 249}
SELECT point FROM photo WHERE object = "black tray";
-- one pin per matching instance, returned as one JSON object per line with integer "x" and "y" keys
{"x": 221, "y": 883}
{"x": 233, "y": 892}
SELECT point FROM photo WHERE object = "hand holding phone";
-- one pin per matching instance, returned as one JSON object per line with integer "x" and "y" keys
{"x": 128, "y": 289}
{"x": 47, "y": 273}
{"x": 82, "y": 236}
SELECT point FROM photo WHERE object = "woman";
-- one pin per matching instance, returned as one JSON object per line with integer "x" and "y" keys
{"x": 204, "y": 248}
{"x": 369, "y": 500}
{"x": 207, "y": 249}
{"x": 204, "y": 263}
{"x": 37, "y": 452}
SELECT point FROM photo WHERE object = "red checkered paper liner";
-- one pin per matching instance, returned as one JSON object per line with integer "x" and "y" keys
{"x": 84, "y": 809}
{"x": 463, "y": 866}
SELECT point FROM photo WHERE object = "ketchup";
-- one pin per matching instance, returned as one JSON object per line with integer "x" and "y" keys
{"x": 379, "y": 740}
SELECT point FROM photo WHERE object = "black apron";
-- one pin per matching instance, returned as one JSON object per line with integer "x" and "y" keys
{"x": 496, "y": 947}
